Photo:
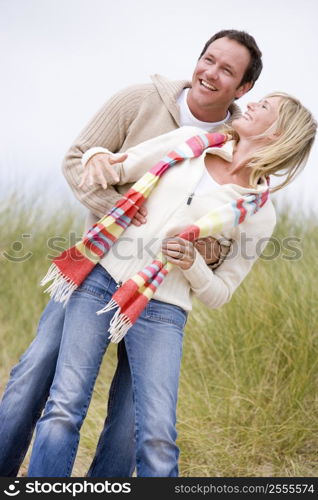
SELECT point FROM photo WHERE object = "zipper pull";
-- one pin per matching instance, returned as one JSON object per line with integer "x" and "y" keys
{"x": 190, "y": 198}
{"x": 119, "y": 284}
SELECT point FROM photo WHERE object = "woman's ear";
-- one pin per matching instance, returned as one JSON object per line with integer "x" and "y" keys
{"x": 276, "y": 135}
{"x": 273, "y": 136}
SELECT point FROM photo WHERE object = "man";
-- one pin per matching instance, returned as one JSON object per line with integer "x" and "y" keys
{"x": 228, "y": 67}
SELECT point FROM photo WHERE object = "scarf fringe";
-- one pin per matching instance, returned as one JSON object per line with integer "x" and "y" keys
{"x": 119, "y": 326}
{"x": 62, "y": 288}
{"x": 112, "y": 304}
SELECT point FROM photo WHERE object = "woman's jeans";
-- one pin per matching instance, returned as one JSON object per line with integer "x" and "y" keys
{"x": 67, "y": 353}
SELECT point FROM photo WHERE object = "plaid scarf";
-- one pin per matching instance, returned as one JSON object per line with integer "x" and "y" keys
{"x": 72, "y": 266}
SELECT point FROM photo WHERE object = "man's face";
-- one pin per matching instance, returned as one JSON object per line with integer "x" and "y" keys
{"x": 217, "y": 76}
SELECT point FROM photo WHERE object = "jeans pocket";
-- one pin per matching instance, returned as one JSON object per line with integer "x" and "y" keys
{"x": 166, "y": 313}
{"x": 98, "y": 283}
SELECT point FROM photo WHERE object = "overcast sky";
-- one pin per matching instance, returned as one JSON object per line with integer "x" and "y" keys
{"x": 61, "y": 59}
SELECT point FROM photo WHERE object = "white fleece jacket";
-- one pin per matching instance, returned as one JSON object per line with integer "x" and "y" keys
{"x": 169, "y": 213}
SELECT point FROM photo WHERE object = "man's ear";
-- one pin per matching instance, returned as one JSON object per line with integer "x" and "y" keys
{"x": 240, "y": 91}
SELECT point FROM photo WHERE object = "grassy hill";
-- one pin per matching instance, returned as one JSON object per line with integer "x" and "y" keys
{"x": 248, "y": 394}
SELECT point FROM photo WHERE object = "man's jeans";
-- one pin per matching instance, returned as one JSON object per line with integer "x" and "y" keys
{"x": 154, "y": 351}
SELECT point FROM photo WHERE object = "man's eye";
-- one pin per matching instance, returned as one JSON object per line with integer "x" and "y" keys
{"x": 227, "y": 71}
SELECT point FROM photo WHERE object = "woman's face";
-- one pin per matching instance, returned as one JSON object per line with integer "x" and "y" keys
{"x": 258, "y": 117}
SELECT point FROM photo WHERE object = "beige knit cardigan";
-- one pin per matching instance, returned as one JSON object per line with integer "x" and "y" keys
{"x": 132, "y": 116}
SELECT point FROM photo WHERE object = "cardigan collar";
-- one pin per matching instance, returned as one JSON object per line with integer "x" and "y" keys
{"x": 226, "y": 152}
{"x": 169, "y": 91}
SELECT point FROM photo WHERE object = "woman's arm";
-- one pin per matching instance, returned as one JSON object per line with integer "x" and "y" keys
{"x": 216, "y": 288}
{"x": 145, "y": 155}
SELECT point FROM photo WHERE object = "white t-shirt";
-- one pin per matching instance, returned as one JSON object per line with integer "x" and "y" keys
{"x": 205, "y": 184}
{"x": 187, "y": 118}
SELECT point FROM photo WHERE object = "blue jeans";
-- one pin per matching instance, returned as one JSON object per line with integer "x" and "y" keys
{"x": 115, "y": 455}
{"x": 153, "y": 347}
{"x": 28, "y": 390}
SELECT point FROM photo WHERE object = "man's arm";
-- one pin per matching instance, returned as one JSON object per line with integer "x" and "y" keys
{"x": 108, "y": 129}
{"x": 213, "y": 251}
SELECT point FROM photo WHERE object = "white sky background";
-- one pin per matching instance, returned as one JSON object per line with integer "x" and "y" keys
{"x": 61, "y": 59}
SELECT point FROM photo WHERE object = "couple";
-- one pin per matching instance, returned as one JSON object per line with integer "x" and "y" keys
{"x": 274, "y": 134}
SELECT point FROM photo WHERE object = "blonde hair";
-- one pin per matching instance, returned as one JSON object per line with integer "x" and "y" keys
{"x": 286, "y": 155}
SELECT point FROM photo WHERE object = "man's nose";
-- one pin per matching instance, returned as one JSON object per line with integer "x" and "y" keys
{"x": 213, "y": 72}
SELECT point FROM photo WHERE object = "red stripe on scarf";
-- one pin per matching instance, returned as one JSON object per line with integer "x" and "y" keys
{"x": 264, "y": 197}
{"x": 216, "y": 140}
{"x": 130, "y": 300}
{"x": 103, "y": 230}
{"x": 94, "y": 248}
{"x": 130, "y": 202}
{"x": 240, "y": 207}
{"x": 162, "y": 165}
{"x": 197, "y": 144}
{"x": 152, "y": 270}
{"x": 68, "y": 262}
{"x": 191, "y": 233}
{"x": 159, "y": 168}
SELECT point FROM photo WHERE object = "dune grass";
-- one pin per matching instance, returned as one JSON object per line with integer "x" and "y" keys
{"x": 248, "y": 393}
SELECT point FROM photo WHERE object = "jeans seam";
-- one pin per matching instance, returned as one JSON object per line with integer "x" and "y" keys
{"x": 111, "y": 399}
{"x": 133, "y": 382}
{"x": 163, "y": 320}
{"x": 176, "y": 451}
{"x": 113, "y": 387}
{"x": 84, "y": 411}
{"x": 89, "y": 395}
{"x": 91, "y": 292}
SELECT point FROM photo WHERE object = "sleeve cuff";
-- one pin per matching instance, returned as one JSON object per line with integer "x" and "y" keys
{"x": 225, "y": 247}
{"x": 92, "y": 152}
{"x": 197, "y": 273}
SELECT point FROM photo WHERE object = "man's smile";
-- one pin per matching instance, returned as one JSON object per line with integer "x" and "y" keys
{"x": 207, "y": 85}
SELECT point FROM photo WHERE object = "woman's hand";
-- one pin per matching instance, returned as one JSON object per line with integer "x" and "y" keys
{"x": 179, "y": 252}
{"x": 97, "y": 168}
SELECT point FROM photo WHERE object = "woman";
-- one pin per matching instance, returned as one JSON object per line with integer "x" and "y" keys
{"x": 273, "y": 135}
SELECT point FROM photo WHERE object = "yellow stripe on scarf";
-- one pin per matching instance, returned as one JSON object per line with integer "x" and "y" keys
{"x": 86, "y": 252}
{"x": 211, "y": 224}
{"x": 146, "y": 183}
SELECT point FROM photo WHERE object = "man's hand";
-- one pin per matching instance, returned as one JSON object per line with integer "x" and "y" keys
{"x": 95, "y": 173}
{"x": 209, "y": 248}
{"x": 140, "y": 217}
{"x": 98, "y": 166}
{"x": 179, "y": 252}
